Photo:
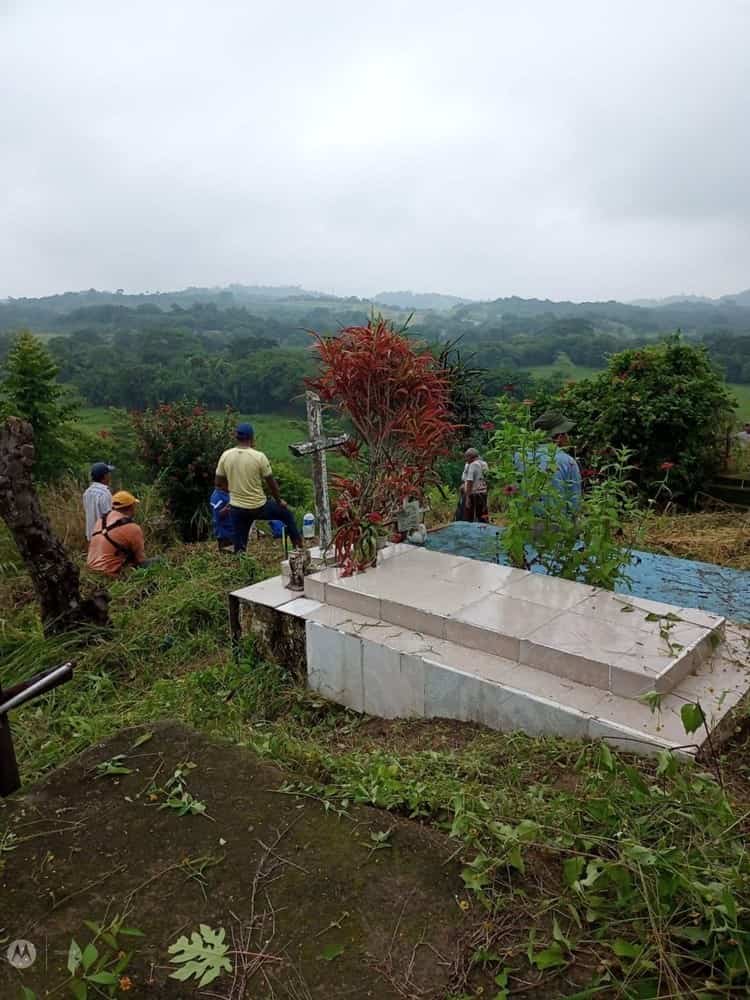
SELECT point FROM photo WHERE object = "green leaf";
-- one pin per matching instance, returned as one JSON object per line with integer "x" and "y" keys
{"x": 89, "y": 956}
{"x": 143, "y": 738}
{"x": 667, "y": 764}
{"x": 696, "y": 935}
{"x": 103, "y": 978}
{"x": 203, "y": 957}
{"x": 549, "y": 957}
{"x": 131, "y": 932}
{"x": 625, "y": 949}
{"x": 692, "y": 717}
{"x": 572, "y": 870}
{"x": 27, "y": 994}
{"x": 515, "y": 859}
{"x": 332, "y": 951}
{"x": 74, "y": 957}
{"x": 79, "y": 989}
{"x": 606, "y": 759}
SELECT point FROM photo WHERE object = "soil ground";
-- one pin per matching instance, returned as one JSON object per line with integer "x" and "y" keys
{"x": 292, "y": 877}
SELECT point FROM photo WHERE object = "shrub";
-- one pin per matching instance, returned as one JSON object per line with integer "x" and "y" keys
{"x": 576, "y": 540}
{"x": 396, "y": 400}
{"x": 180, "y": 444}
{"x": 666, "y": 403}
{"x": 293, "y": 486}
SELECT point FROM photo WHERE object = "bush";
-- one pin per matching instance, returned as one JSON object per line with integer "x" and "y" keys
{"x": 180, "y": 444}
{"x": 571, "y": 538}
{"x": 667, "y": 404}
{"x": 294, "y": 487}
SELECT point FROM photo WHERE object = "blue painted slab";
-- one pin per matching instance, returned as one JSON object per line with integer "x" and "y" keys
{"x": 683, "y": 582}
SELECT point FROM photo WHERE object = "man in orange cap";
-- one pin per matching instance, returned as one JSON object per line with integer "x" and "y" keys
{"x": 117, "y": 541}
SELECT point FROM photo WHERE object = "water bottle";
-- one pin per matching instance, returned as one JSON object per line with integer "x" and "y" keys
{"x": 308, "y": 525}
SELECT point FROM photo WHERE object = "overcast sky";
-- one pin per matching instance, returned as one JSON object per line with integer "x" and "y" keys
{"x": 586, "y": 149}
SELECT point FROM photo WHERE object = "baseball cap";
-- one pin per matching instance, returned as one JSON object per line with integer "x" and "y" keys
{"x": 123, "y": 499}
{"x": 245, "y": 431}
{"x": 554, "y": 423}
{"x": 99, "y": 470}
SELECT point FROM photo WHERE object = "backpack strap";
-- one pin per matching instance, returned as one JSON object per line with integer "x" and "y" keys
{"x": 105, "y": 530}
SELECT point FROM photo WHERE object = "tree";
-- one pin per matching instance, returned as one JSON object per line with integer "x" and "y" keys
{"x": 55, "y": 578}
{"x": 30, "y": 391}
{"x": 666, "y": 403}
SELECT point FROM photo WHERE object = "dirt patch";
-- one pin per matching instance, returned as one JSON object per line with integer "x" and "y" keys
{"x": 295, "y": 881}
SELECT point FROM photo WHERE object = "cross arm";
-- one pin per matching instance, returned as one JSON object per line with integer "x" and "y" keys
{"x": 322, "y": 444}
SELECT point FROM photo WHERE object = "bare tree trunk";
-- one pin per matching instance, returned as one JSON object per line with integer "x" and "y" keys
{"x": 56, "y": 579}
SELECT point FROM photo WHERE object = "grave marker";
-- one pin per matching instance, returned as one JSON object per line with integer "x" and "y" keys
{"x": 316, "y": 448}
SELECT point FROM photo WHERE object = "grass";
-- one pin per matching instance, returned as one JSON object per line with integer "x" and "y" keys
{"x": 624, "y": 877}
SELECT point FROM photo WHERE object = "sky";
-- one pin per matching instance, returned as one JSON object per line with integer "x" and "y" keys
{"x": 579, "y": 150}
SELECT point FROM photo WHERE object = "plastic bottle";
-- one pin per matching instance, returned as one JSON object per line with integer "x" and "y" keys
{"x": 308, "y": 525}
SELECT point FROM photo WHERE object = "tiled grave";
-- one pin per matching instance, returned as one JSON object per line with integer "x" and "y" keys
{"x": 428, "y": 634}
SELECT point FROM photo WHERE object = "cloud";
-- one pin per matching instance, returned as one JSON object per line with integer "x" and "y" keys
{"x": 583, "y": 150}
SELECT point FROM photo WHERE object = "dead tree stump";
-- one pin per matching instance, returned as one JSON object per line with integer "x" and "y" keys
{"x": 55, "y": 577}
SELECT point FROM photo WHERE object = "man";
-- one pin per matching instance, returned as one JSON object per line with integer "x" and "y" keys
{"x": 221, "y": 515}
{"x": 97, "y": 500}
{"x": 117, "y": 541}
{"x": 247, "y": 474}
{"x": 474, "y": 487}
{"x": 567, "y": 476}
{"x": 743, "y": 436}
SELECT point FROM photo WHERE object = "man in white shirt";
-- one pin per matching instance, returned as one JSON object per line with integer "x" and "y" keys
{"x": 474, "y": 487}
{"x": 97, "y": 500}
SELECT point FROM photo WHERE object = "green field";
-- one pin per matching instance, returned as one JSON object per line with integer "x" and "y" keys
{"x": 273, "y": 435}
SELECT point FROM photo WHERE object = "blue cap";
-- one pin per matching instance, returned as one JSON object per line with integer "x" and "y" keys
{"x": 99, "y": 470}
{"x": 245, "y": 431}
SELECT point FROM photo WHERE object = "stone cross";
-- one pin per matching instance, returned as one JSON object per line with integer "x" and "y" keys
{"x": 316, "y": 448}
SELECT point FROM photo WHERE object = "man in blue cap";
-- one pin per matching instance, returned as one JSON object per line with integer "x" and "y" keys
{"x": 97, "y": 500}
{"x": 246, "y": 474}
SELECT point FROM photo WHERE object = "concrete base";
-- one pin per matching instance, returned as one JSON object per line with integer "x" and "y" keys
{"x": 398, "y": 669}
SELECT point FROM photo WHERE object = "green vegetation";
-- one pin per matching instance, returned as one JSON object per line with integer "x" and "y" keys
{"x": 625, "y": 878}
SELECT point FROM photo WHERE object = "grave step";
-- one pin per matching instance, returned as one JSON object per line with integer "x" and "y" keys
{"x": 374, "y": 666}
{"x": 624, "y": 645}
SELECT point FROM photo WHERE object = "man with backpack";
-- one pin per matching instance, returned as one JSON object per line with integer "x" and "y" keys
{"x": 117, "y": 541}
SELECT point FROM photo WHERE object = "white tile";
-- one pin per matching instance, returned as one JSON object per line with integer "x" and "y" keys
{"x": 334, "y": 665}
{"x": 622, "y": 610}
{"x": 550, "y": 592}
{"x": 703, "y": 618}
{"x": 449, "y": 694}
{"x": 328, "y": 614}
{"x": 352, "y": 600}
{"x": 270, "y": 593}
{"x": 302, "y": 607}
{"x": 393, "y": 682}
{"x": 538, "y": 716}
{"x": 586, "y": 670}
{"x": 487, "y": 577}
{"x": 409, "y": 617}
{"x": 315, "y": 587}
{"x": 477, "y": 637}
{"x": 574, "y": 633}
{"x": 506, "y": 615}
{"x": 631, "y": 683}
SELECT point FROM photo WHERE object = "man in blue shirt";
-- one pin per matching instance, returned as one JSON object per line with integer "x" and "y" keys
{"x": 567, "y": 476}
{"x": 222, "y": 520}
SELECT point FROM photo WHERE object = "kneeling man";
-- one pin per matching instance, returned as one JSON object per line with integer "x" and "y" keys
{"x": 117, "y": 541}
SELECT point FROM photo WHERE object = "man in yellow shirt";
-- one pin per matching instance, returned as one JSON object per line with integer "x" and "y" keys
{"x": 246, "y": 474}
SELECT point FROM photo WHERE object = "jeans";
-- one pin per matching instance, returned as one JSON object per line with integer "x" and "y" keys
{"x": 242, "y": 522}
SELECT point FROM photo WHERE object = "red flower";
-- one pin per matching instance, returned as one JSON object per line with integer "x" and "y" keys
{"x": 375, "y": 518}
{"x": 666, "y": 466}
{"x": 488, "y": 426}
{"x": 103, "y": 434}
{"x": 527, "y": 402}
{"x": 508, "y": 388}
{"x": 510, "y": 490}
{"x": 588, "y": 473}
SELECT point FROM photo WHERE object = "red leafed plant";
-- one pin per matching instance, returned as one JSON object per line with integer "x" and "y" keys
{"x": 397, "y": 400}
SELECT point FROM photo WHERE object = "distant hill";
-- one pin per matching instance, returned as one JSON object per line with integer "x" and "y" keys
{"x": 419, "y": 300}
{"x": 740, "y": 299}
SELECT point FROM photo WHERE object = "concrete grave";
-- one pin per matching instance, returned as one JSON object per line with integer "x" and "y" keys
{"x": 426, "y": 634}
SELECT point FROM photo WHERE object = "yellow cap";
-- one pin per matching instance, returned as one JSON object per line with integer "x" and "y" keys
{"x": 123, "y": 499}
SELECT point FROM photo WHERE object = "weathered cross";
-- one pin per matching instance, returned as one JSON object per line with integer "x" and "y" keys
{"x": 14, "y": 697}
{"x": 316, "y": 448}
